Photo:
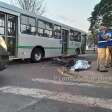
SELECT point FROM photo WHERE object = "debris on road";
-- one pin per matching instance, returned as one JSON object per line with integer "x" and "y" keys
{"x": 72, "y": 64}
{"x": 81, "y": 65}
{"x": 58, "y": 61}
{"x": 66, "y": 62}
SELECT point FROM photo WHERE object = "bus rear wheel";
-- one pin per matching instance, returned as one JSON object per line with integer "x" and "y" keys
{"x": 36, "y": 55}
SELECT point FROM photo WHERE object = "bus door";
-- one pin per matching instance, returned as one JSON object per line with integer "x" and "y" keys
{"x": 11, "y": 34}
{"x": 65, "y": 35}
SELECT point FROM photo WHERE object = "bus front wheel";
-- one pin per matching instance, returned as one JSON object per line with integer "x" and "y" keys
{"x": 36, "y": 55}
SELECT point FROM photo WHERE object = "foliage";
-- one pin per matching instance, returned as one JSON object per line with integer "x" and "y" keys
{"x": 102, "y": 14}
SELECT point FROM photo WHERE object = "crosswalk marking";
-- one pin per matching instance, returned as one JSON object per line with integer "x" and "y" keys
{"x": 62, "y": 82}
{"x": 58, "y": 96}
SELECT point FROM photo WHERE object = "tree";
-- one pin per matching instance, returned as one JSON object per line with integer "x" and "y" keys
{"x": 102, "y": 14}
{"x": 94, "y": 17}
{"x": 35, "y": 6}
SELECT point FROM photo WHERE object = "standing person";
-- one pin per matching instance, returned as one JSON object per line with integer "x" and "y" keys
{"x": 109, "y": 45}
{"x": 101, "y": 50}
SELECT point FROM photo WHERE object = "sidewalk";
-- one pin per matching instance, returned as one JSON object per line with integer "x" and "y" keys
{"x": 91, "y": 75}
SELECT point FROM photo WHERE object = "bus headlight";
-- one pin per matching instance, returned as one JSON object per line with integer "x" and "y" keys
{"x": 2, "y": 43}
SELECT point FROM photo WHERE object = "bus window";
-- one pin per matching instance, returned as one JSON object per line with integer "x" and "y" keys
{"x": 41, "y": 24}
{"x": 41, "y": 27}
{"x": 77, "y": 36}
{"x": 11, "y": 25}
{"x": 57, "y": 32}
{"x": 28, "y": 25}
{"x": 2, "y": 24}
{"x": 48, "y": 30}
{"x": 45, "y": 28}
{"x": 72, "y": 35}
{"x": 32, "y": 25}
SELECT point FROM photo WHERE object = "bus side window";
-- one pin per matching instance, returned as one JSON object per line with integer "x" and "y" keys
{"x": 57, "y": 31}
{"x": 32, "y": 25}
{"x": 76, "y": 36}
{"x": 45, "y": 29}
{"x": 41, "y": 27}
{"x": 48, "y": 30}
{"x": 24, "y": 24}
{"x": 79, "y": 37}
{"x": 28, "y": 25}
{"x": 11, "y": 25}
{"x": 72, "y": 35}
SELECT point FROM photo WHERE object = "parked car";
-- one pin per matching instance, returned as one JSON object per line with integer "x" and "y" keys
{"x": 4, "y": 58}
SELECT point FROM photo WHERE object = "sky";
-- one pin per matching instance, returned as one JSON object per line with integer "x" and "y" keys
{"x": 71, "y": 12}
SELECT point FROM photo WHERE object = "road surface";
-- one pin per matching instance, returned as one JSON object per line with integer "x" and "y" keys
{"x": 28, "y": 87}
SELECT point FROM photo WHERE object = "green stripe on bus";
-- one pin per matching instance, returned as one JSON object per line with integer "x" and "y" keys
{"x": 25, "y": 46}
{"x": 45, "y": 47}
{"x": 34, "y": 46}
{"x": 53, "y": 48}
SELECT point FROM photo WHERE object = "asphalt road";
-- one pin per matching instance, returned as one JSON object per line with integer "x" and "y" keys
{"x": 28, "y": 87}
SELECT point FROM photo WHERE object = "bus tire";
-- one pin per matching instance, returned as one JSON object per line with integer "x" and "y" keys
{"x": 37, "y": 55}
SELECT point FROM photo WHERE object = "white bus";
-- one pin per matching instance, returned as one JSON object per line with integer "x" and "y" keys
{"x": 36, "y": 37}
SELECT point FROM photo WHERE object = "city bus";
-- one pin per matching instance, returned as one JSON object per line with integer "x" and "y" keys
{"x": 36, "y": 37}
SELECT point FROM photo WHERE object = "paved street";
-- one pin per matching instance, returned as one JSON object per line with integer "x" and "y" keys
{"x": 27, "y": 87}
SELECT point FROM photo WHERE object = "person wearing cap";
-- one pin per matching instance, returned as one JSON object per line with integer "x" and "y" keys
{"x": 101, "y": 50}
